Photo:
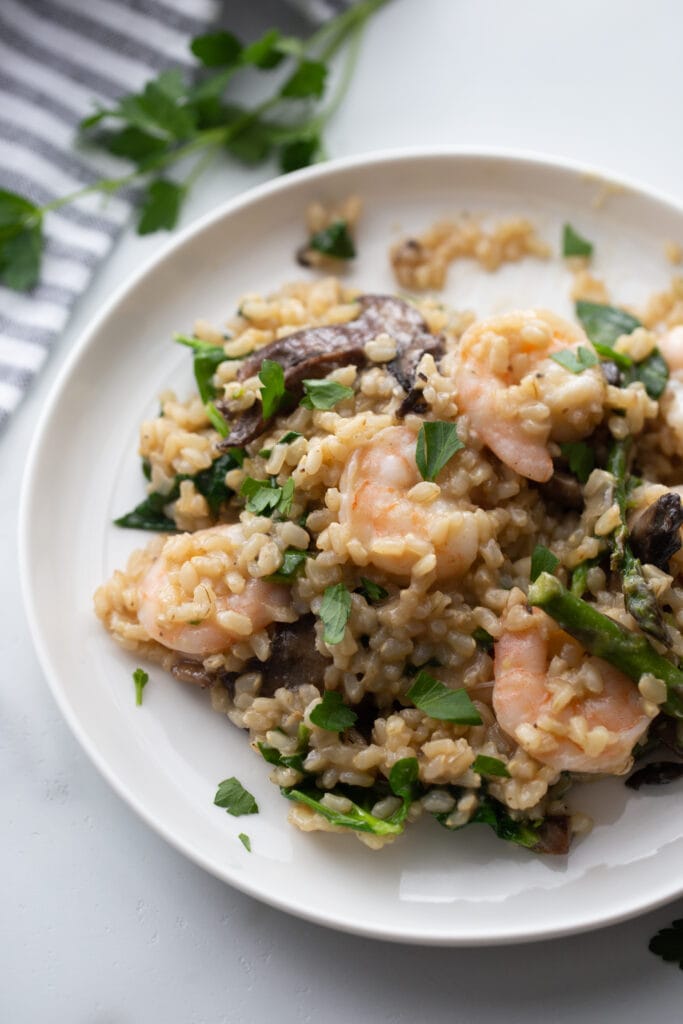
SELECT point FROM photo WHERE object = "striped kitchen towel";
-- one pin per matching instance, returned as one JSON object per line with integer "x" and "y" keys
{"x": 57, "y": 58}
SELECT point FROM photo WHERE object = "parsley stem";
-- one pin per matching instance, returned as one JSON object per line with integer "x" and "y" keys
{"x": 202, "y": 139}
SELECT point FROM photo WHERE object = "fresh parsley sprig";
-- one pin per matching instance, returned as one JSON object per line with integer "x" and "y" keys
{"x": 191, "y": 119}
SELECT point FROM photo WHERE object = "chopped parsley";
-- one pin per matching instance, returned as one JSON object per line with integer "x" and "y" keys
{"x": 439, "y": 701}
{"x": 332, "y": 713}
{"x": 234, "y": 798}
{"x": 140, "y": 678}
{"x": 576, "y": 362}
{"x": 206, "y": 359}
{"x": 668, "y": 943}
{"x": 371, "y": 590}
{"x": 542, "y": 560}
{"x": 580, "y": 457}
{"x": 264, "y": 497}
{"x": 324, "y": 394}
{"x": 437, "y": 443}
{"x": 335, "y": 610}
{"x": 272, "y": 378}
{"x": 245, "y": 841}
{"x": 334, "y": 241}
{"x": 604, "y": 324}
{"x": 573, "y": 244}
{"x": 293, "y": 561}
{"x": 484, "y": 765}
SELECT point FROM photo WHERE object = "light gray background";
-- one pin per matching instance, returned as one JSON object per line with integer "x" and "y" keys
{"x": 101, "y": 922}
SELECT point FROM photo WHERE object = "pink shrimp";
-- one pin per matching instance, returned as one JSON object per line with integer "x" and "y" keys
{"x": 516, "y": 397}
{"x": 194, "y": 599}
{"x": 573, "y": 712}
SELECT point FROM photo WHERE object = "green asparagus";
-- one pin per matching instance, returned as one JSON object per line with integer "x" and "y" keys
{"x": 639, "y": 599}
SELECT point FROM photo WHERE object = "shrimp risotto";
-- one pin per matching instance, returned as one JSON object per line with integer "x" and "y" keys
{"x": 430, "y": 563}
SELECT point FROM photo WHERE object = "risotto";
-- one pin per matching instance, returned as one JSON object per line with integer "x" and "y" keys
{"x": 431, "y": 564}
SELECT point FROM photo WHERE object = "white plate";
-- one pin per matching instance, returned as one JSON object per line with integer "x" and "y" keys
{"x": 166, "y": 757}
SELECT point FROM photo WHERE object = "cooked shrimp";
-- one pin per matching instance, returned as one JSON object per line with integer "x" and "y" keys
{"x": 194, "y": 598}
{"x": 568, "y": 710}
{"x": 399, "y": 521}
{"x": 517, "y": 398}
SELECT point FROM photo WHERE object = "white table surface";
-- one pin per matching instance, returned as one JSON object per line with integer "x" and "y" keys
{"x": 101, "y": 921}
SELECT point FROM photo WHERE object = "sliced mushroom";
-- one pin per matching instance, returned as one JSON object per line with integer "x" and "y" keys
{"x": 193, "y": 672}
{"x": 294, "y": 658}
{"x": 316, "y": 351}
{"x": 656, "y": 533}
{"x": 554, "y": 835}
{"x": 564, "y": 489}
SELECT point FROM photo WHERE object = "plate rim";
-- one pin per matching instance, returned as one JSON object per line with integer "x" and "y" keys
{"x": 29, "y": 484}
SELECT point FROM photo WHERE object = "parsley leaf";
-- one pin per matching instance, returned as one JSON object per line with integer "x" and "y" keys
{"x": 576, "y": 362}
{"x": 308, "y": 80}
{"x": 333, "y": 714}
{"x": 439, "y": 701}
{"x": 371, "y": 590}
{"x": 262, "y": 495}
{"x": 285, "y": 504}
{"x": 21, "y": 241}
{"x": 234, "y": 798}
{"x": 581, "y": 459}
{"x": 334, "y": 241}
{"x": 356, "y": 817}
{"x": 324, "y": 394}
{"x": 605, "y": 324}
{"x": 403, "y": 776}
{"x": 140, "y": 678}
{"x": 264, "y": 52}
{"x": 653, "y": 372}
{"x": 335, "y": 610}
{"x": 573, "y": 244}
{"x": 293, "y": 561}
{"x": 484, "y": 765}
{"x": 207, "y": 358}
{"x": 668, "y": 943}
{"x": 245, "y": 841}
{"x": 133, "y": 144}
{"x": 299, "y": 153}
{"x": 437, "y": 443}
{"x": 542, "y": 560}
{"x": 161, "y": 206}
{"x": 483, "y": 639}
{"x": 217, "y": 49}
{"x": 272, "y": 379}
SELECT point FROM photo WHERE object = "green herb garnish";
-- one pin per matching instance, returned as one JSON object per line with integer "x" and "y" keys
{"x": 140, "y": 678}
{"x": 371, "y": 590}
{"x": 180, "y": 117}
{"x": 324, "y": 394}
{"x": 264, "y": 497}
{"x": 653, "y": 373}
{"x": 573, "y": 244}
{"x": 668, "y": 943}
{"x": 439, "y": 701}
{"x": 542, "y": 560}
{"x": 293, "y": 561}
{"x": 334, "y": 241}
{"x": 335, "y": 610}
{"x": 206, "y": 359}
{"x": 580, "y": 457}
{"x": 528, "y": 834}
{"x": 603, "y": 324}
{"x": 483, "y": 639}
{"x": 437, "y": 443}
{"x": 576, "y": 362}
{"x": 245, "y": 841}
{"x": 150, "y": 515}
{"x": 234, "y": 798}
{"x": 332, "y": 713}
{"x": 484, "y": 765}
{"x": 272, "y": 379}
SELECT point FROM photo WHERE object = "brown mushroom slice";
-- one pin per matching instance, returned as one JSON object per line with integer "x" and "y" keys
{"x": 192, "y": 672}
{"x": 564, "y": 490}
{"x": 294, "y": 659}
{"x": 315, "y": 351}
{"x": 554, "y": 835}
{"x": 656, "y": 533}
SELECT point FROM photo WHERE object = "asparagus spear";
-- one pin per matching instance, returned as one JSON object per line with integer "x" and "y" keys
{"x": 639, "y": 599}
{"x": 630, "y": 652}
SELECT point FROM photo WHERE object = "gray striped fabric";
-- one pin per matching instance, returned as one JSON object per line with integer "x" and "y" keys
{"x": 57, "y": 57}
